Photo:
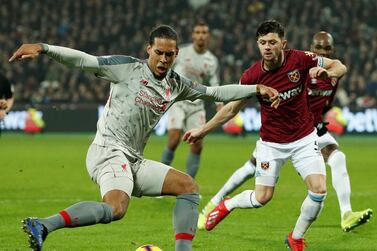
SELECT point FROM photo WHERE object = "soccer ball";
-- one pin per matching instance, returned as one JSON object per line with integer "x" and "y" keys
{"x": 148, "y": 247}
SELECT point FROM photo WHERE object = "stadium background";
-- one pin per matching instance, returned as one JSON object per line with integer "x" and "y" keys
{"x": 121, "y": 27}
{"x": 45, "y": 173}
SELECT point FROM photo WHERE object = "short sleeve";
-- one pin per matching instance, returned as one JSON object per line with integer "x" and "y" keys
{"x": 310, "y": 59}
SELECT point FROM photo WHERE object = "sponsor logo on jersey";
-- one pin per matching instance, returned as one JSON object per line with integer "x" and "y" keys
{"x": 291, "y": 93}
{"x": 294, "y": 76}
{"x": 265, "y": 165}
{"x": 319, "y": 92}
{"x": 148, "y": 100}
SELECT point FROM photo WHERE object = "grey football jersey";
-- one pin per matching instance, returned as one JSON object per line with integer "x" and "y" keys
{"x": 202, "y": 68}
{"x": 137, "y": 99}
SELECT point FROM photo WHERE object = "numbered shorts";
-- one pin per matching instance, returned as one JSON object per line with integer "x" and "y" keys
{"x": 304, "y": 153}
{"x": 185, "y": 116}
{"x": 325, "y": 140}
{"x": 111, "y": 170}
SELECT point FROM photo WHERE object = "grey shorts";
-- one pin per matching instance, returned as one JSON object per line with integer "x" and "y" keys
{"x": 111, "y": 170}
{"x": 185, "y": 116}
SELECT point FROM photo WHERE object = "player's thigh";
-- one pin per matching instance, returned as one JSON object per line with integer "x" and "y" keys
{"x": 270, "y": 160}
{"x": 150, "y": 178}
{"x": 176, "y": 117}
{"x": 110, "y": 169}
{"x": 195, "y": 119}
{"x": 325, "y": 140}
{"x": 307, "y": 158}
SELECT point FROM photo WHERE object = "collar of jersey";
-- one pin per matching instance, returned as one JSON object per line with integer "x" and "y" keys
{"x": 150, "y": 75}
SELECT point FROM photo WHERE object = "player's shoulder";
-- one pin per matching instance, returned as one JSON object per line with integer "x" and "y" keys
{"x": 175, "y": 79}
{"x": 211, "y": 56}
{"x": 185, "y": 47}
{"x": 300, "y": 53}
{"x": 252, "y": 73}
{"x": 117, "y": 60}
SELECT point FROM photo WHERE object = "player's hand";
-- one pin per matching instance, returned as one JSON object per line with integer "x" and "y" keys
{"x": 3, "y": 104}
{"x": 318, "y": 72}
{"x": 27, "y": 51}
{"x": 270, "y": 94}
{"x": 2, "y": 114}
{"x": 193, "y": 135}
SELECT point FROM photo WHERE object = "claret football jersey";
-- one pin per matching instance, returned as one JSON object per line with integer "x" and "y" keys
{"x": 321, "y": 93}
{"x": 292, "y": 120}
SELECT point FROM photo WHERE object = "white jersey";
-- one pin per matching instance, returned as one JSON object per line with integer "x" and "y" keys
{"x": 202, "y": 68}
{"x": 137, "y": 99}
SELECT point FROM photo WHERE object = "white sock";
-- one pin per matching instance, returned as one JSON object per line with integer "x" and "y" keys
{"x": 340, "y": 180}
{"x": 310, "y": 210}
{"x": 246, "y": 199}
{"x": 238, "y": 178}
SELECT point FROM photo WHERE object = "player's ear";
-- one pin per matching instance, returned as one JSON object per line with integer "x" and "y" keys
{"x": 149, "y": 47}
{"x": 284, "y": 42}
{"x": 176, "y": 53}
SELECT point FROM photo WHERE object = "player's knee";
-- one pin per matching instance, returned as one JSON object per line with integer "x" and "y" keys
{"x": 189, "y": 185}
{"x": 319, "y": 188}
{"x": 119, "y": 205}
{"x": 263, "y": 198}
{"x": 119, "y": 212}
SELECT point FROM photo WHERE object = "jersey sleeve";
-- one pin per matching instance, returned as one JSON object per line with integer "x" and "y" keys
{"x": 310, "y": 59}
{"x": 191, "y": 90}
{"x": 110, "y": 68}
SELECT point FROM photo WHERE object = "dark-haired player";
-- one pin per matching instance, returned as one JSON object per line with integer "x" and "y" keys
{"x": 286, "y": 132}
{"x": 141, "y": 92}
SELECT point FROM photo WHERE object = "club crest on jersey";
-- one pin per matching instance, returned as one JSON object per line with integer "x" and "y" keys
{"x": 144, "y": 82}
{"x": 294, "y": 76}
{"x": 265, "y": 165}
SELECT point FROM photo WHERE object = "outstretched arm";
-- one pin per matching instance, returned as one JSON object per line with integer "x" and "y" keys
{"x": 331, "y": 68}
{"x": 64, "y": 55}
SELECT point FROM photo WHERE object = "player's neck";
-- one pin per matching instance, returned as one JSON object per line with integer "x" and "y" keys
{"x": 200, "y": 49}
{"x": 273, "y": 65}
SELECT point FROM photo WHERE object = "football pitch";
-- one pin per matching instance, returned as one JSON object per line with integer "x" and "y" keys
{"x": 43, "y": 174}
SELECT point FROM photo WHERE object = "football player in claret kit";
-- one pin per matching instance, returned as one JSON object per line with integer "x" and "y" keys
{"x": 286, "y": 132}
{"x": 141, "y": 92}
{"x": 196, "y": 63}
{"x": 321, "y": 94}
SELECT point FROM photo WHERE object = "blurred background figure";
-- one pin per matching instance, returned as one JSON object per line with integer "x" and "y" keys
{"x": 196, "y": 63}
{"x": 6, "y": 96}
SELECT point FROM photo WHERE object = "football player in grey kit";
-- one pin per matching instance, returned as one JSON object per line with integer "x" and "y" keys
{"x": 197, "y": 63}
{"x": 141, "y": 92}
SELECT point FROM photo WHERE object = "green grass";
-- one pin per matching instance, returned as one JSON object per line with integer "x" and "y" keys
{"x": 43, "y": 174}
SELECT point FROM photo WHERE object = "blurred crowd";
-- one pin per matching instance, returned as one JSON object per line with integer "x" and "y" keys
{"x": 102, "y": 27}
